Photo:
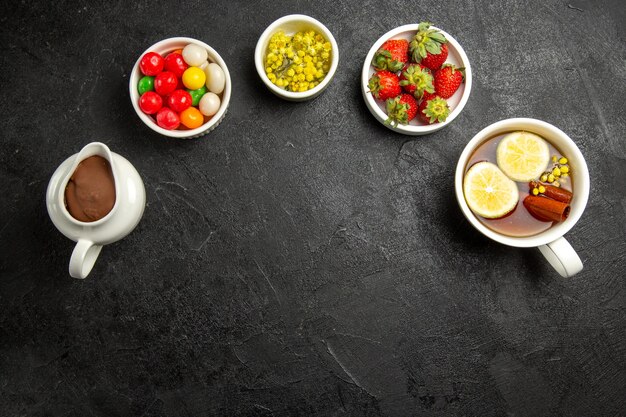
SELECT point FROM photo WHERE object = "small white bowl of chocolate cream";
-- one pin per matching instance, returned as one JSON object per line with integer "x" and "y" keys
{"x": 95, "y": 197}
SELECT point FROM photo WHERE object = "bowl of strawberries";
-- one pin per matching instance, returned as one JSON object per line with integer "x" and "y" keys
{"x": 416, "y": 79}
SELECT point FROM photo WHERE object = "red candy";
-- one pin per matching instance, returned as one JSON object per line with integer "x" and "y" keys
{"x": 167, "y": 118}
{"x": 179, "y": 100}
{"x": 151, "y": 63}
{"x": 165, "y": 83}
{"x": 150, "y": 102}
{"x": 180, "y": 85}
{"x": 175, "y": 63}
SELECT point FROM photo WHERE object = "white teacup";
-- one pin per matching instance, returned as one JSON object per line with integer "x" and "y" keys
{"x": 130, "y": 201}
{"x": 551, "y": 242}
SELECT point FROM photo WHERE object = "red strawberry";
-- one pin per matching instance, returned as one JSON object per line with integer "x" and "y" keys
{"x": 429, "y": 45}
{"x": 435, "y": 61}
{"x": 433, "y": 109}
{"x": 416, "y": 79}
{"x": 384, "y": 85}
{"x": 448, "y": 79}
{"x": 401, "y": 109}
{"x": 426, "y": 97}
{"x": 392, "y": 55}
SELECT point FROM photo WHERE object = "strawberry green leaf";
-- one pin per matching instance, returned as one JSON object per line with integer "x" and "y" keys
{"x": 397, "y": 112}
{"x": 438, "y": 37}
{"x": 437, "y": 110}
{"x": 422, "y": 51}
{"x": 380, "y": 59}
{"x": 433, "y": 48}
{"x": 423, "y": 26}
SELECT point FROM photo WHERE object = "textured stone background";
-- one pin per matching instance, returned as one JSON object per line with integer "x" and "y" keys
{"x": 302, "y": 259}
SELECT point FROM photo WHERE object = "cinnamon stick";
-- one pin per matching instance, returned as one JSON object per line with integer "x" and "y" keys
{"x": 555, "y": 193}
{"x": 545, "y": 209}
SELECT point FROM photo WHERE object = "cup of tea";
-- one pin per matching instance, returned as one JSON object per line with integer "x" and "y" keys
{"x": 524, "y": 183}
{"x": 95, "y": 197}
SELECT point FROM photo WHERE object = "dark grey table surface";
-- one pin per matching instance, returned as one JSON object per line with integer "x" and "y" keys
{"x": 302, "y": 259}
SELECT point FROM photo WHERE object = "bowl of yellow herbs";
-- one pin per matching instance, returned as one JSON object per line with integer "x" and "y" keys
{"x": 296, "y": 57}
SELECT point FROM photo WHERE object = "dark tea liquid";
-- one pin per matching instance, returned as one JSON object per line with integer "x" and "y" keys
{"x": 518, "y": 223}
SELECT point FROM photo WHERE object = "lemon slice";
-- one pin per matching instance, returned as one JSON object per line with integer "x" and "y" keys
{"x": 488, "y": 192}
{"x": 523, "y": 156}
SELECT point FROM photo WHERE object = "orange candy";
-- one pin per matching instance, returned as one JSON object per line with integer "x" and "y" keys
{"x": 191, "y": 118}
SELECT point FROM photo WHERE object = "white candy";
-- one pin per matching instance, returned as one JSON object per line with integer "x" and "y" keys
{"x": 209, "y": 104}
{"x": 215, "y": 78}
{"x": 194, "y": 55}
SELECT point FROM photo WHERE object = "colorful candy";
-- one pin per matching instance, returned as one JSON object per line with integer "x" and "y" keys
{"x": 165, "y": 83}
{"x": 181, "y": 88}
{"x": 179, "y": 100}
{"x": 209, "y": 104}
{"x": 146, "y": 83}
{"x": 196, "y": 95}
{"x": 194, "y": 55}
{"x": 215, "y": 78}
{"x": 151, "y": 63}
{"x": 150, "y": 102}
{"x": 167, "y": 118}
{"x": 193, "y": 78}
{"x": 191, "y": 118}
{"x": 176, "y": 64}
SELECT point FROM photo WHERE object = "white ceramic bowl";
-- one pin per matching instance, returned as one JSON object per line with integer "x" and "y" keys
{"x": 456, "y": 56}
{"x": 164, "y": 47}
{"x": 290, "y": 25}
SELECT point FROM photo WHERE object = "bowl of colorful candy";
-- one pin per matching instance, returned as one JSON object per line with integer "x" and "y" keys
{"x": 296, "y": 57}
{"x": 180, "y": 87}
{"x": 416, "y": 79}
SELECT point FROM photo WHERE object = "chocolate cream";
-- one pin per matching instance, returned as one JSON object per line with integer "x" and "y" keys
{"x": 90, "y": 192}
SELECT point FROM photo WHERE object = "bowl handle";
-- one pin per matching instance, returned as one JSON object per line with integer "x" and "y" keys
{"x": 83, "y": 258}
{"x": 562, "y": 257}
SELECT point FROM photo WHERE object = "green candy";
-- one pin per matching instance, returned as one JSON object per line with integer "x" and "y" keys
{"x": 196, "y": 95}
{"x": 146, "y": 83}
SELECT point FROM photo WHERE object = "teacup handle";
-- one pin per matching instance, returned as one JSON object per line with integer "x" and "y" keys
{"x": 562, "y": 257}
{"x": 83, "y": 258}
